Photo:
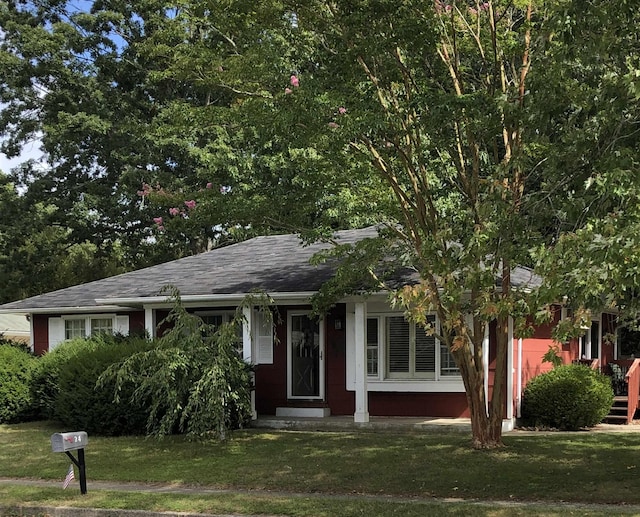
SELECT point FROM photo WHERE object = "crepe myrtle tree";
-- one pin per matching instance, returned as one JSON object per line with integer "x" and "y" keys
{"x": 421, "y": 111}
{"x": 500, "y": 145}
{"x": 432, "y": 99}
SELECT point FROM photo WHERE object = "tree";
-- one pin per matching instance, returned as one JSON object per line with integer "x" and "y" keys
{"x": 448, "y": 106}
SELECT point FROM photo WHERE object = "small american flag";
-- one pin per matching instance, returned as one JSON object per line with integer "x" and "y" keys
{"x": 69, "y": 478}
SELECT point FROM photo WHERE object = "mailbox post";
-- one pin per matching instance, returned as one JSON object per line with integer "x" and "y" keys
{"x": 67, "y": 442}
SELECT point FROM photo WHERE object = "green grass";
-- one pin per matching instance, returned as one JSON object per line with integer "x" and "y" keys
{"x": 578, "y": 467}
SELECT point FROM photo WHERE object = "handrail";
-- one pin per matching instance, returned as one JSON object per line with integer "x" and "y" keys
{"x": 632, "y": 378}
{"x": 594, "y": 364}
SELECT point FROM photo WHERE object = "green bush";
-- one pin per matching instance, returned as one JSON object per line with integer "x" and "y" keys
{"x": 79, "y": 404}
{"x": 17, "y": 367}
{"x": 44, "y": 386}
{"x": 569, "y": 397}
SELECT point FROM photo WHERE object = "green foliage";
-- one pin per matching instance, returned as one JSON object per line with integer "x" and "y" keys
{"x": 569, "y": 397}
{"x": 193, "y": 380}
{"x": 552, "y": 356}
{"x": 17, "y": 367}
{"x": 80, "y": 404}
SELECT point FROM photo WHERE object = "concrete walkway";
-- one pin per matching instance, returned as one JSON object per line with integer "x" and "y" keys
{"x": 68, "y": 511}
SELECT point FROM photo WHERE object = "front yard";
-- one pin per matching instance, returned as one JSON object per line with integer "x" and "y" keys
{"x": 550, "y": 468}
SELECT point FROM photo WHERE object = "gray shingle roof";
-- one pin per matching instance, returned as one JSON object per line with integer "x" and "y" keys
{"x": 273, "y": 264}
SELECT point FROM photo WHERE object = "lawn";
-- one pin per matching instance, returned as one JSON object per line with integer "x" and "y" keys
{"x": 548, "y": 468}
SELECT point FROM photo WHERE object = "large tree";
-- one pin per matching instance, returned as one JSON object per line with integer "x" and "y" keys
{"x": 466, "y": 112}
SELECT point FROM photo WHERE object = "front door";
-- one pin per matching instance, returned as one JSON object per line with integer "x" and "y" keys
{"x": 305, "y": 357}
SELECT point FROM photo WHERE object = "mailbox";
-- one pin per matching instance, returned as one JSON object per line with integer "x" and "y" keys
{"x": 63, "y": 442}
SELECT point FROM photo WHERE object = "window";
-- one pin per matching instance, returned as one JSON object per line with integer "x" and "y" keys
{"x": 101, "y": 325}
{"x": 372, "y": 347}
{"x": 409, "y": 352}
{"x": 74, "y": 328}
{"x": 219, "y": 318}
{"x": 82, "y": 327}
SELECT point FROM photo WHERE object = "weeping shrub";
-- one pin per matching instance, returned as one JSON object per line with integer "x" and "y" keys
{"x": 569, "y": 397}
{"x": 193, "y": 380}
{"x": 17, "y": 367}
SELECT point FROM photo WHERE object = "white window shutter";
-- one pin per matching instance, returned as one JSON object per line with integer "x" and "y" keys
{"x": 263, "y": 333}
{"x": 56, "y": 332}
{"x": 122, "y": 325}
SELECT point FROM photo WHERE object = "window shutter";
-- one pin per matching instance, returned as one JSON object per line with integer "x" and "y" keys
{"x": 122, "y": 325}
{"x": 56, "y": 332}
{"x": 398, "y": 339}
{"x": 425, "y": 349}
{"x": 264, "y": 338}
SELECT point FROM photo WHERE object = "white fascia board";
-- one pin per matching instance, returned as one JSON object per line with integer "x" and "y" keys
{"x": 208, "y": 299}
{"x": 68, "y": 310}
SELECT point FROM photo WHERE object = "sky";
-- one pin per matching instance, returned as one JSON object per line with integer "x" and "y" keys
{"x": 31, "y": 150}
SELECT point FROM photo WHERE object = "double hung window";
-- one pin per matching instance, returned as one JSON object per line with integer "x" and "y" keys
{"x": 83, "y": 327}
{"x": 398, "y": 349}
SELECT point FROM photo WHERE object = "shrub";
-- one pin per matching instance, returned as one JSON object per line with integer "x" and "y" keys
{"x": 569, "y": 397}
{"x": 44, "y": 386}
{"x": 194, "y": 381}
{"x": 81, "y": 405}
{"x": 17, "y": 367}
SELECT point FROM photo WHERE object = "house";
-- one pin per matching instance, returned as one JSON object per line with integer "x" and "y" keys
{"x": 362, "y": 359}
{"x": 14, "y": 327}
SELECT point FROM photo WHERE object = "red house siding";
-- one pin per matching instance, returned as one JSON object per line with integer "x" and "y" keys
{"x": 136, "y": 322}
{"x": 40, "y": 333}
{"x": 418, "y": 404}
{"x": 341, "y": 401}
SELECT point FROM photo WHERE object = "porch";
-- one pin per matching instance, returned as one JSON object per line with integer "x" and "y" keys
{"x": 375, "y": 423}
{"x": 625, "y": 381}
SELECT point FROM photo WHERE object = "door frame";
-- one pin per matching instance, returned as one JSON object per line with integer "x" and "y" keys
{"x": 321, "y": 355}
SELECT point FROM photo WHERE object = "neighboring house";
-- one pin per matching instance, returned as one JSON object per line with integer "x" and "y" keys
{"x": 363, "y": 358}
{"x": 15, "y": 327}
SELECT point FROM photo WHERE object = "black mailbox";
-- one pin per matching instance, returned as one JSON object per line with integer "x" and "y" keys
{"x": 74, "y": 441}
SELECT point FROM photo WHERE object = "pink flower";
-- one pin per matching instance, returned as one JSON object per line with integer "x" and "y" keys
{"x": 190, "y": 204}
{"x": 295, "y": 82}
{"x": 209, "y": 185}
{"x": 447, "y": 8}
{"x": 485, "y": 6}
{"x": 160, "y": 227}
{"x": 158, "y": 220}
{"x": 287, "y": 91}
{"x": 473, "y": 10}
{"x": 342, "y": 110}
{"x": 333, "y": 125}
{"x": 174, "y": 211}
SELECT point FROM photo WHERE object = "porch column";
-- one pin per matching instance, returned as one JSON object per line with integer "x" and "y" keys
{"x": 360, "y": 334}
{"x": 149, "y": 322}
{"x": 510, "y": 372}
{"x": 485, "y": 365}
{"x": 247, "y": 354}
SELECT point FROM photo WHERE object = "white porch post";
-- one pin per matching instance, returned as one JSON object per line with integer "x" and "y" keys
{"x": 247, "y": 352}
{"x": 149, "y": 322}
{"x": 485, "y": 366}
{"x": 508, "y": 425}
{"x": 362, "y": 400}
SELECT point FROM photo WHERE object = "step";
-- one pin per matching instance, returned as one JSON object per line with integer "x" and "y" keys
{"x": 616, "y": 419}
